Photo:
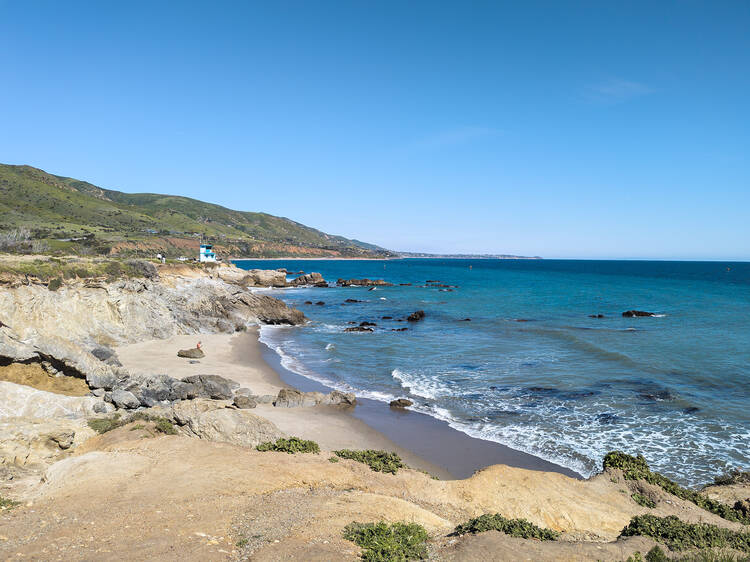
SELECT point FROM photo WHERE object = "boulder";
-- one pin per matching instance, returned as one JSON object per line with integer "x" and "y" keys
{"x": 264, "y": 399}
{"x": 244, "y": 402}
{"x": 106, "y": 355}
{"x": 153, "y": 389}
{"x": 637, "y": 313}
{"x": 416, "y": 316}
{"x": 358, "y": 329}
{"x": 265, "y": 278}
{"x": 367, "y": 323}
{"x": 103, "y": 408}
{"x": 338, "y": 398}
{"x": 211, "y": 386}
{"x": 597, "y": 315}
{"x": 315, "y": 279}
{"x": 401, "y": 403}
{"x": 193, "y": 353}
{"x": 29, "y": 441}
{"x": 125, "y": 399}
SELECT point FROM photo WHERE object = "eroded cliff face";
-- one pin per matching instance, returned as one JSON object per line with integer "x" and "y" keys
{"x": 100, "y": 313}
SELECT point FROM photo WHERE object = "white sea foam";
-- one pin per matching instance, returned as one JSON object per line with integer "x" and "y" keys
{"x": 330, "y": 346}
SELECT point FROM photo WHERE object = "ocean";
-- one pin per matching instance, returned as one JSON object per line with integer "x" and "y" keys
{"x": 532, "y": 369}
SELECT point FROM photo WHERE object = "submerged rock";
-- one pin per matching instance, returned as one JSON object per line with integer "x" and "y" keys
{"x": 359, "y": 329}
{"x": 400, "y": 403}
{"x": 363, "y": 283}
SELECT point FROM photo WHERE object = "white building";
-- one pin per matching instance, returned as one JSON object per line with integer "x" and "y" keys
{"x": 206, "y": 253}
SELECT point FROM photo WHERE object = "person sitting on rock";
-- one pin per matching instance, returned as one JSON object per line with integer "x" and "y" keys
{"x": 198, "y": 345}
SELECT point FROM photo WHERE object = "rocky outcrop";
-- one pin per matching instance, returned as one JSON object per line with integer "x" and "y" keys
{"x": 28, "y": 441}
{"x": 264, "y": 278}
{"x": 637, "y": 313}
{"x": 17, "y": 400}
{"x": 359, "y": 329}
{"x": 363, "y": 283}
{"x": 314, "y": 279}
{"x": 293, "y": 398}
{"x": 213, "y": 421}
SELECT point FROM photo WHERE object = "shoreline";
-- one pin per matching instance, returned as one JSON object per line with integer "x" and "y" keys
{"x": 422, "y": 441}
{"x": 434, "y": 440}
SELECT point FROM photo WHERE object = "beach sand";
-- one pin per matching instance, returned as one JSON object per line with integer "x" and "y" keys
{"x": 239, "y": 357}
{"x": 422, "y": 441}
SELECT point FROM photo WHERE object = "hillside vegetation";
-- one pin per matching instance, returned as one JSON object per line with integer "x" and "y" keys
{"x": 42, "y": 212}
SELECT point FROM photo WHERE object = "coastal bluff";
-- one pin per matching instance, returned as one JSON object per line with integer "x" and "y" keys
{"x": 156, "y": 457}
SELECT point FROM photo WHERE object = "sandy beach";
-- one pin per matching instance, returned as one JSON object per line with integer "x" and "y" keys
{"x": 239, "y": 357}
{"x": 422, "y": 441}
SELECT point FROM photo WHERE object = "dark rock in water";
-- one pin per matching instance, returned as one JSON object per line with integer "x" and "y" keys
{"x": 401, "y": 403}
{"x": 607, "y": 418}
{"x": 387, "y": 318}
{"x": 352, "y": 300}
{"x": 637, "y": 313}
{"x": 656, "y": 395}
{"x": 404, "y": 284}
{"x": 367, "y": 323}
{"x": 465, "y": 320}
{"x": 211, "y": 386}
{"x": 691, "y": 410}
{"x": 363, "y": 283}
{"x": 432, "y": 281}
{"x": 244, "y": 402}
{"x": 371, "y": 289}
{"x": 446, "y": 290}
{"x": 351, "y": 322}
{"x": 194, "y": 353}
{"x": 320, "y": 303}
{"x": 399, "y": 329}
{"x": 596, "y": 316}
{"x": 416, "y": 316}
{"x": 308, "y": 302}
{"x": 523, "y": 320}
{"x": 358, "y": 329}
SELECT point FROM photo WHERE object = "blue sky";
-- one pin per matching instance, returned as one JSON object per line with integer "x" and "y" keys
{"x": 580, "y": 129}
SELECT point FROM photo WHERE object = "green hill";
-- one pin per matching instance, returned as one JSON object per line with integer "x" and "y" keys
{"x": 60, "y": 214}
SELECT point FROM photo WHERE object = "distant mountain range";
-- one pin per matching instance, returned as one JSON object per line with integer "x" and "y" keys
{"x": 64, "y": 214}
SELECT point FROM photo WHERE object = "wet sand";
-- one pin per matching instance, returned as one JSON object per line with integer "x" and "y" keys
{"x": 421, "y": 440}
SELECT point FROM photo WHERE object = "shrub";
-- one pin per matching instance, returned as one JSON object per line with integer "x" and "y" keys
{"x": 291, "y": 446}
{"x": 640, "y": 499}
{"x": 636, "y": 468}
{"x": 54, "y": 284}
{"x": 678, "y": 535}
{"x": 163, "y": 425}
{"x": 333, "y": 459}
{"x": 735, "y": 476}
{"x": 383, "y": 542}
{"x": 379, "y": 461}
{"x": 514, "y": 527}
{"x": 656, "y": 554}
{"x": 5, "y": 503}
{"x": 103, "y": 425}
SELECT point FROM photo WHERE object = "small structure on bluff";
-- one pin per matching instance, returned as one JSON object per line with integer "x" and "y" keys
{"x": 206, "y": 253}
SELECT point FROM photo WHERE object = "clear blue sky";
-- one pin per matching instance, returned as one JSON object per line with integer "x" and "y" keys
{"x": 578, "y": 129}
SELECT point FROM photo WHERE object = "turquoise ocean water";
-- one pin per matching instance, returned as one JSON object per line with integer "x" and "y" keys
{"x": 531, "y": 369}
